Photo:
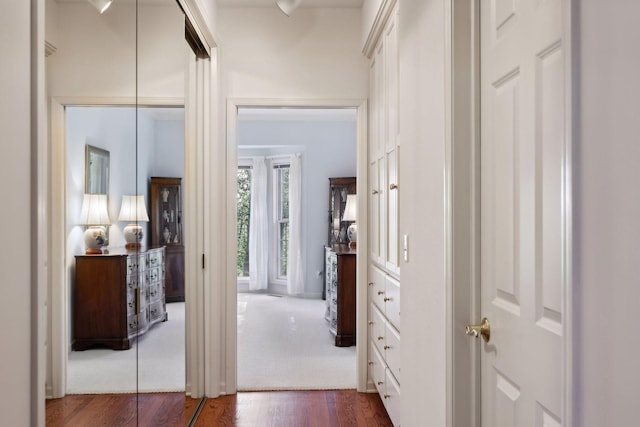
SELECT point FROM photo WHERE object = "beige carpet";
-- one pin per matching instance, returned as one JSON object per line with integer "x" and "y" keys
{"x": 160, "y": 365}
{"x": 284, "y": 343}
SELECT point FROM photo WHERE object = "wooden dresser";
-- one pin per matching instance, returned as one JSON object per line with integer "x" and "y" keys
{"x": 117, "y": 296}
{"x": 340, "y": 289}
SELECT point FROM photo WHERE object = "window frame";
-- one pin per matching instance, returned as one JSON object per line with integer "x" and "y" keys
{"x": 276, "y": 221}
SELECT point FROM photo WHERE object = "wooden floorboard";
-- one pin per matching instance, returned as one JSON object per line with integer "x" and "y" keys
{"x": 295, "y": 409}
{"x": 251, "y": 409}
{"x": 121, "y": 410}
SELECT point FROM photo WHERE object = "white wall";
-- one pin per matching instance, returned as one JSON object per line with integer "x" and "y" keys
{"x": 96, "y": 54}
{"x": 422, "y": 208}
{"x": 328, "y": 150}
{"x": 606, "y": 213}
{"x": 15, "y": 259}
{"x": 315, "y": 53}
{"x": 160, "y": 152}
{"x": 112, "y": 129}
{"x": 168, "y": 152}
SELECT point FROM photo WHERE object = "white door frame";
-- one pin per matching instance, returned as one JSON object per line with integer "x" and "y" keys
{"x": 462, "y": 174}
{"x": 58, "y": 316}
{"x": 361, "y": 266}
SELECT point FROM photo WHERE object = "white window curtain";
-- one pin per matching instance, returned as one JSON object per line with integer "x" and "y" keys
{"x": 295, "y": 280}
{"x": 258, "y": 227}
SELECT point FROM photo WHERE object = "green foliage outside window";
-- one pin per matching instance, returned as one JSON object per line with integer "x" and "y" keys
{"x": 244, "y": 208}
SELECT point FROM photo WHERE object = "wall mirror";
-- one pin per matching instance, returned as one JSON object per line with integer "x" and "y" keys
{"x": 96, "y": 170}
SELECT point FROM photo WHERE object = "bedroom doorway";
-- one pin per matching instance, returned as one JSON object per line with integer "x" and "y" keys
{"x": 282, "y": 336}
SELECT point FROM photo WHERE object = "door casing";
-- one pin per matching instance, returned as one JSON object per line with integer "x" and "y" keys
{"x": 462, "y": 192}
{"x": 361, "y": 263}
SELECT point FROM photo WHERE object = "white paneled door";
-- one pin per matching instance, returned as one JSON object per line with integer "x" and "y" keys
{"x": 522, "y": 146}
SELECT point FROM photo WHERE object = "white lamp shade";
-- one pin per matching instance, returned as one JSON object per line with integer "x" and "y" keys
{"x": 133, "y": 209}
{"x": 351, "y": 209}
{"x": 101, "y": 5}
{"x": 94, "y": 210}
{"x": 288, "y": 6}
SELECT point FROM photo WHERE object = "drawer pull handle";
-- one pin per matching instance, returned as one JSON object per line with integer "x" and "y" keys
{"x": 380, "y": 338}
{"x": 374, "y": 192}
{"x": 387, "y": 347}
{"x": 380, "y": 292}
{"x": 387, "y": 299}
{"x": 386, "y": 396}
{"x": 393, "y": 187}
{"x": 370, "y": 283}
{"x": 370, "y": 322}
{"x": 380, "y": 382}
{"x": 370, "y": 363}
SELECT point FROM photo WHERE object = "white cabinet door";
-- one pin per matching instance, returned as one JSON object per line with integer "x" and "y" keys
{"x": 392, "y": 260}
{"x": 522, "y": 142}
{"x": 374, "y": 212}
{"x": 391, "y": 82}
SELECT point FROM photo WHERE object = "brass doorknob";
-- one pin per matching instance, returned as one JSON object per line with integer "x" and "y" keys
{"x": 483, "y": 329}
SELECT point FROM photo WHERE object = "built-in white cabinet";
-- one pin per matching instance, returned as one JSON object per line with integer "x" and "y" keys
{"x": 384, "y": 145}
{"x": 384, "y": 349}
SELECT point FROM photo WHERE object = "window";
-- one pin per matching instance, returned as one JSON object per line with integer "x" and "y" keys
{"x": 281, "y": 204}
{"x": 244, "y": 210}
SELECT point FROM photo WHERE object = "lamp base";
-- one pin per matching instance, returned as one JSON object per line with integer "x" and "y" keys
{"x": 94, "y": 239}
{"x": 133, "y": 235}
{"x": 352, "y": 234}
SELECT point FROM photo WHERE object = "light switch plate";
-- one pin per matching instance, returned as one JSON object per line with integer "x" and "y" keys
{"x": 405, "y": 247}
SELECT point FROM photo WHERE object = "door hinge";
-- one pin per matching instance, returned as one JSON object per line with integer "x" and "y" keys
{"x": 203, "y": 261}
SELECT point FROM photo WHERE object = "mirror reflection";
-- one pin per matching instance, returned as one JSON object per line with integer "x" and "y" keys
{"x": 96, "y": 170}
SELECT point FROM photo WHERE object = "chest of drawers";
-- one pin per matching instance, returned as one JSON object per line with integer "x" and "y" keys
{"x": 116, "y": 297}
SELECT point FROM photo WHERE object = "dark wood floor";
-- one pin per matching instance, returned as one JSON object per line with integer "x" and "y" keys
{"x": 120, "y": 410}
{"x": 254, "y": 409}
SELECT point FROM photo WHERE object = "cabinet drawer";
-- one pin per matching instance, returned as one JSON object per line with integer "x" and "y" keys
{"x": 376, "y": 367}
{"x": 376, "y": 290}
{"x": 156, "y": 311}
{"x": 391, "y": 398}
{"x": 155, "y": 292}
{"x": 377, "y": 328}
{"x": 137, "y": 323}
{"x": 392, "y": 350}
{"x": 155, "y": 258}
{"x": 153, "y": 275}
{"x": 392, "y": 301}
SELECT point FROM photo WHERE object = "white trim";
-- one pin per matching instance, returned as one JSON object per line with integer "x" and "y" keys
{"x": 57, "y": 256}
{"x": 570, "y": 33}
{"x": 194, "y": 15}
{"x": 229, "y": 323}
{"x": 462, "y": 195}
{"x": 379, "y": 23}
{"x": 459, "y": 118}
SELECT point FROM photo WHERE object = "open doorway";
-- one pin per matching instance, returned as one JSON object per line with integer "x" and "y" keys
{"x": 142, "y": 143}
{"x": 285, "y": 160}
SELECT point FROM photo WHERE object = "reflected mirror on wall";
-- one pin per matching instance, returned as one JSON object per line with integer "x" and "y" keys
{"x": 97, "y": 170}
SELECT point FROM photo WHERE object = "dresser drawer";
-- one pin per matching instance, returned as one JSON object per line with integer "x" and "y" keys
{"x": 376, "y": 368}
{"x": 377, "y": 328}
{"x": 156, "y": 311}
{"x": 392, "y": 301}
{"x": 392, "y": 350}
{"x": 391, "y": 398}
{"x": 155, "y": 292}
{"x": 155, "y": 258}
{"x": 376, "y": 289}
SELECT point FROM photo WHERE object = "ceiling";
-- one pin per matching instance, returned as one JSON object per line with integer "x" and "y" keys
{"x": 305, "y": 3}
